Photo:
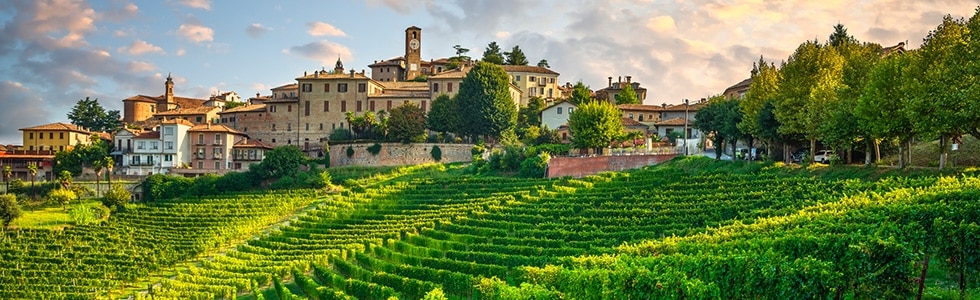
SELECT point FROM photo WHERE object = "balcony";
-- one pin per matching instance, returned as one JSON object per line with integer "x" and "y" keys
{"x": 216, "y": 156}
{"x": 200, "y": 143}
{"x": 200, "y": 155}
{"x": 216, "y": 143}
{"x": 141, "y": 164}
{"x": 248, "y": 158}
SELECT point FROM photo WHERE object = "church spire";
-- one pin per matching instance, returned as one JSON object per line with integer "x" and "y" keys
{"x": 339, "y": 67}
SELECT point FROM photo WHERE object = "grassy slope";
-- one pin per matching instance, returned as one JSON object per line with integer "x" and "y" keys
{"x": 926, "y": 154}
{"x": 50, "y": 216}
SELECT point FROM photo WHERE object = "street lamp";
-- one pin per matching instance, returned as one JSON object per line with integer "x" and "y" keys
{"x": 686, "y": 106}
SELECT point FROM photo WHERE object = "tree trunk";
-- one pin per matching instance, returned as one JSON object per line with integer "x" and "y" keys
{"x": 908, "y": 151}
{"x": 734, "y": 150}
{"x": 877, "y": 150}
{"x": 751, "y": 144}
{"x": 868, "y": 159}
{"x": 901, "y": 156}
{"x": 922, "y": 279}
{"x": 813, "y": 149}
{"x": 943, "y": 152}
{"x": 787, "y": 156}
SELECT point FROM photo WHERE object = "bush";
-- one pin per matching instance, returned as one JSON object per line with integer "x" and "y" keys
{"x": 62, "y": 197}
{"x": 340, "y": 134}
{"x": 374, "y": 149}
{"x": 116, "y": 198}
{"x": 9, "y": 209}
{"x": 82, "y": 215}
{"x": 350, "y": 151}
{"x": 535, "y": 166}
{"x": 436, "y": 153}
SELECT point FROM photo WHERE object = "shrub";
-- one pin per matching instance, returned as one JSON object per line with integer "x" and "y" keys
{"x": 535, "y": 166}
{"x": 436, "y": 153}
{"x": 340, "y": 134}
{"x": 62, "y": 197}
{"x": 374, "y": 149}
{"x": 9, "y": 209}
{"x": 350, "y": 151}
{"x": 82, "y": 215}
{"x": 116, "y": 198}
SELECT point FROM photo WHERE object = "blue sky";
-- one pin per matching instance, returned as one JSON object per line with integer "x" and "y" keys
{"x": 55, "y": 52}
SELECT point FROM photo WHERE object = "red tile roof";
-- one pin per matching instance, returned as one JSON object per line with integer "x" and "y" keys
{"x": 214, "y": 128}
{"x": 528, "y": 69}
{"x": 200, "y": 110}
{"x": 249, "y": 143}
{"x": 627, "y": 122}
{"x": 674, "y": 122}
{"x": 58, "y": 127}
{"x": 148, "y": 135}
{"x": 640, "y": 107}
{"x": 245, "y": 108}
{"x": 177, "y": 121}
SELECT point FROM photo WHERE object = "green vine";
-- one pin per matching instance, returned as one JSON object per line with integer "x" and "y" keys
{"x": 436, "y": 153}
{"x": 350, "y": 151}
{"x": 374, "y": 149}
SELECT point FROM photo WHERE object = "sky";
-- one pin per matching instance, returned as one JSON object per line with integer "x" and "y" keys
{"x": 55, "y": 52}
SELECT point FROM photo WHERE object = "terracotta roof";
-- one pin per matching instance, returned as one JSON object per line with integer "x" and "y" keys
{"x": 741, "y": 86}
{"x": 214, "y": 128}
{"x": 143, "y": 98}
{"x": 3, "y": 148}
{"x": 405, "y": 85}
{"x": 900, "y": 48}
{"x": 681, "y": 107}
{"x": 134, "y": 132}
{"x": 287, "y": 86}
{"x": 148, "y": 135}
{"x": 200, "y": 110}
{"x": 674, "y": 122}
{"x": 185, "y": 102}
{"x": 389, "y": 62}
{"x": 454, "y": 73}
{"x": 178, "y": 121}
{"x": 528, "y": 69}
{"x": 324, "y": 75}
{"x": 58, "y": 127}
{"x": 630, "y": 122}
{"x": 402, "y": 94}
{"x": 105, "y": 135}
{"x": 250, "y": 143}
{"x": 245, "y": 108}
{"x": 640, "y": 107}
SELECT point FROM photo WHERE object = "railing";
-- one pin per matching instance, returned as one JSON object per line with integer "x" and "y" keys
{"x": 142, "y": 163}
{"x": 200, "y": 155}
{"x": 216, "y": 156}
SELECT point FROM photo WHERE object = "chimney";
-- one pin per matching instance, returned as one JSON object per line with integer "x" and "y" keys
{"x": 209, "y": 124}
{"x": 256, "y": 94}
{"x": 352, "y": 73}
{"x": 620, "y": 79}
{"x": 610, "y": 81}
{"x": 629, "y": 79}
{"x": 304, "y": 73}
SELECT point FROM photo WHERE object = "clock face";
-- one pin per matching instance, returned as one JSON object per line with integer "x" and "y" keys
{"x": 414, "y": 44}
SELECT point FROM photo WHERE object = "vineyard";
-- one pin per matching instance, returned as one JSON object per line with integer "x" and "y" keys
{"x": 667, "y": 232}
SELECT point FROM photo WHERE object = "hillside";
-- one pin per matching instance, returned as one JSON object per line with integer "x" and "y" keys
{"x": 691, "y": 228}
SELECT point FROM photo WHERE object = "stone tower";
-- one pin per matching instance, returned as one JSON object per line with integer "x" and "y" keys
{"x": 413, "y": 52}
{"x": 170, "y": 102}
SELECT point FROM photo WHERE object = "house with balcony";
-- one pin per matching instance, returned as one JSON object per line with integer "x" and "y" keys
{"x": 157, "y": 151}
{"x": 247, "y": 152}
{"x": 211, "y": 149}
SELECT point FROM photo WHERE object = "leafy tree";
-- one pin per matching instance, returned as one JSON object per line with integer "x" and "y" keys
{"x": 768, "y": 127}
{"x": 881, "y": 109}
{"x": 64, "y": 178}
{"x": 581, "y": 94}
{"x": 90, "y": 114}
{"x": 594, "y": 125}
{"x": 75, "y": 159}
{"x": 840, "y": 128}
{"x": 32, "y": 168}
{"x": 720, "y": 117}
{"x": 529, "y": 117}
{"x": 62, "y": 196}
{"x": 492, "y": 54}
{"x": 407, "y": 124}
{"x": 811, "y": 80}
{"x": 544, "y": 64}
{"x": 516, "y": 57}
{"x": 7, "y": 173}
{"x": 941, "y": 103}
{"x": 443, "y": 115}
{"x": 763, "y": 89}
{"x": 9, "y": 209}
{"x": 627, "y": 96}
{"x": 233, "y": 104}
{"x": 840, "y": 37}
{"x": 116, "y": 198}
{"x": 484, "y": 102}
{"x": 282, "y": 161}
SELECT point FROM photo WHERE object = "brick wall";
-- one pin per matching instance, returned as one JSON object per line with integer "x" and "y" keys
{"x": 397, "y": 154}
{"x": 583, "y": 166}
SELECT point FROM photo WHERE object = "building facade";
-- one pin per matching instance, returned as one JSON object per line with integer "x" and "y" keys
{"x": 613, "y": 89}
{"x": 534, "y": 81}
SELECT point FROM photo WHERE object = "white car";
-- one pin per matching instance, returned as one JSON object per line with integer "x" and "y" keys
{"x": 823, "y": 156}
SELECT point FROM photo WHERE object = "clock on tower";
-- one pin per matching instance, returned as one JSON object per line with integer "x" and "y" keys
{"x": 413, "y": 52}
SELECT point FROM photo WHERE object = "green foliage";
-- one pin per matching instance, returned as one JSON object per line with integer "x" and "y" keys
{"x": 435, "y": 294}
{"x": 88, "y": 113}
{"x": 443, "y": 116}
{"x": 374, "y": 149}
{"x": 627, "y": 96}
{"x": 9, "y": 209}
{"x": 73, "y": 160}
{"x": 116, "y": 198}
{"x": 529, "y": 119}
{"x": 763, "y": 89}
{"x": 62, "y": 197}
{"x": 515, "y": 57}
{"x": 493, "y": 54}
{"x": 485, "y": 103}
{"x": 673, "y": 136}
{"x": 595, "y": 125}
{"x": 82, "y": 215}
{"x": 350, "y": 151}
{"x": 407, "y": 124}
{"x": 581, "y": 94}
{"x": 721, "y": 118}
{"x": 535, "y": 166}
{"x": 283, "y": 161}
{"x": 436, "y": 153}
{"x": 341, "y": 134}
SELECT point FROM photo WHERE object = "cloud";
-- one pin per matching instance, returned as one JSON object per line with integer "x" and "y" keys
{"x": 662, "y": 24}
{"x": 325, "y": 52}
{"x": 196, "y": 33}
{"x": 400, "y": 6}
{"x": 202, "y": 4}
{"x": 140, "y": 66}
{"x": 47, "y": 23}
{"x": 118, "y": 14}
{"x": 502, "y": 34}
{"x": 257, "y": 30}
{"x": 23, "y": 107}
{"x": 323, "y": 29}
{"x": 180, "y": 52}
{"x": 140, "y": 47}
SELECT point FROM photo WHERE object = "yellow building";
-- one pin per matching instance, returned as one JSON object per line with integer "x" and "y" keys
{"x": 534, "y": 81}
{"x": 54, "y": 137}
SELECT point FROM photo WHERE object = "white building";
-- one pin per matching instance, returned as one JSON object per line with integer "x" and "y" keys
{"x": 155, "y": 151}
{"x": 557, "y": 114}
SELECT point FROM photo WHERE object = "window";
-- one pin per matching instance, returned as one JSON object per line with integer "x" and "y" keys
{"x": 149, "y": 160}
{"x": 532, "y": 91}
{"x": 640, "y": 117}
{"x": 550, "y": 93}
{"x": 361, "y": 87}
{"x": 272, "y": 108}
{"x": 559, "y": 110}
{"x": 289, "y": 127}
{"x": 51, "y": 135}
{"x": 307, "y": 87}
{"x": 435, "y": 87}
{"x": 359, "y": 105}
{"x": 423, "y": 105}
{"x": 289, "y": 108}
{"x": 551, "y": 80}
{"x": 168, "y": 157}
{"x": 200, "y": 138}
{"x": 343, "y": 106}
{"x": 631, "y": 116}
{"x": 141, "y": 145}
{"x": 306, "y": 108}
{"x": 273, "y": 127}
{"x": 273, "y": 141}
{"x": 389, "y": 105}
{"x": 61, "y": 148}
{"x": 200, "y": 165}
{"x": 168, "y": 145}
{"x": 307, "y": 126}
{"x": 321, "y": 126}
{"x": 530, "y": 78}
{"x": 199, "y": 119}
{"x": 570, "y": 109}
{"x": 449, "y": 87}
{"x": 61, "y": 135}
{"x": 292, "y": 94}
{"x": 518, "y": 78}
{"x": 371, "y": 105}
{"x": 341, "y": 87}
{"x": 154, "y": 145}
{"x": 168, "y": 130}
{"x": 217, "y": 139}
{"x": 326, "y": 105}
{"x": 40, "y": 136}
{"x": 30, "y": 135}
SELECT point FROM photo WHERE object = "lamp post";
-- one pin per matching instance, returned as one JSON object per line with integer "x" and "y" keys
{"x": 686, "y": 108}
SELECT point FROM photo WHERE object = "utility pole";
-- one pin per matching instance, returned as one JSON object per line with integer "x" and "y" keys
{"x": 686, "y": 106}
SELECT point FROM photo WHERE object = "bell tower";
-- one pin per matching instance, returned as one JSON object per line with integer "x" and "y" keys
{"x": 168, "y": 96}
{"x": 413, "y": 52}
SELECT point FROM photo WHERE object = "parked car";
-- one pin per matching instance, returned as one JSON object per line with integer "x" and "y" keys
{"x": 798, "y": 155}
{"x": 823, "y": 156}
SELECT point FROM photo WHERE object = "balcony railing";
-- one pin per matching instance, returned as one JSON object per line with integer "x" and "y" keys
{"x": 200, "y": 155}
{"x": 216, "y": 156}
{"x": 142, "y": 163}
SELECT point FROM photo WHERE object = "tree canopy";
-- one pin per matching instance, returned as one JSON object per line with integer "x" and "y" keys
{"x": 485, "y": 103}
{"x": 595, "y": 125}
{"x": 282, "y": 161}
{"x": 90, "y": 114}
{"x": 720, "y": 117}
{"x": 627, "y": 96}
{"x": 516, "y": 57}
{"x": 407, "y": 124}
{"x": 443, "y": 116}
{"x": 493, "y": 54}
{"x": 581, "y": 94}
